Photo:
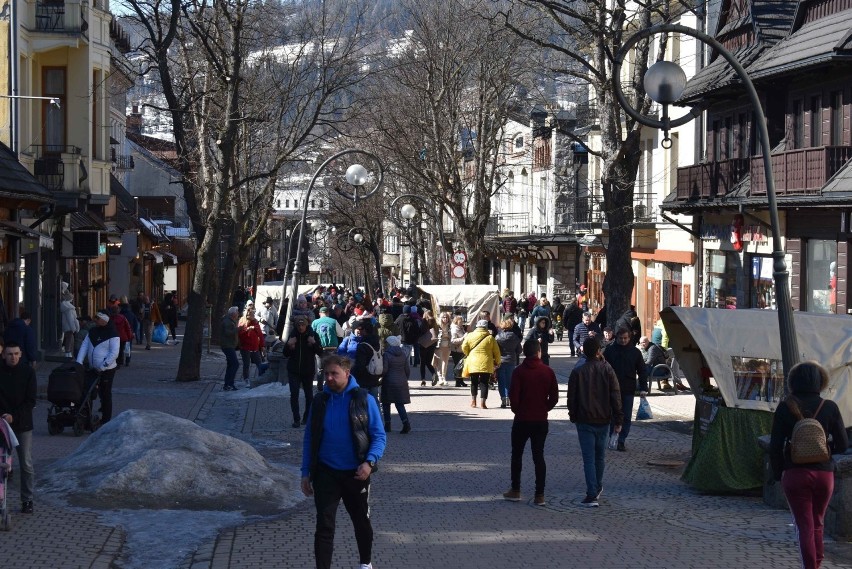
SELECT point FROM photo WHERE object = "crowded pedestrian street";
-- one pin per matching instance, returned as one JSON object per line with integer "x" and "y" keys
{"x": 436, "y": 498}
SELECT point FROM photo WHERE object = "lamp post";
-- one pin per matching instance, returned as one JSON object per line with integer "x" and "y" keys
{"x": 356, "y": 176}
{"x": 408, "y": 212}
{"x": 664, "y": 82}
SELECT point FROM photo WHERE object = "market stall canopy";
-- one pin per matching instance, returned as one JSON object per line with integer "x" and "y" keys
{"x": 274, "y": 290}
{"x": 473, "y": 298}
{"x": 742, "y": 350}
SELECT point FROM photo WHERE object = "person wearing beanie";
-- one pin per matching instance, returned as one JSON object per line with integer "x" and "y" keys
{"x": 482, "y": 357}
{"x": 395, "y": 373}
{"x": 100, "y": 348}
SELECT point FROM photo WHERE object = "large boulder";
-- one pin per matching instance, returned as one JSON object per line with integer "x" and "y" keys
{"x": 149, "y": 459}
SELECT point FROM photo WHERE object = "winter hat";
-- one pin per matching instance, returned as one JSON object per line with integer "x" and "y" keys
{"x": 102, "y": 316}
{"x": 482, "y": 324}
{"x": 323, "y": 309}
{"x": 406, "y": 309}
{"x": 393, "y": 340}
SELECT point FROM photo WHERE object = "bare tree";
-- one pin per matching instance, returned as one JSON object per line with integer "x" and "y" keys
{"x": 586, "y": 35}
{"x": 248, "y": 86}
{"x": 440, "y": 108}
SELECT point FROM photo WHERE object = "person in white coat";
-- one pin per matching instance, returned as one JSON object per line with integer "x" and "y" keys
{"x": 70, "y": 325}
{"x": 100, "y": 348}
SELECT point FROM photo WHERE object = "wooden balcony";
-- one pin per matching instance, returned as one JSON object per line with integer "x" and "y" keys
{"x": 800, "y": 171}
{"x": 710, "y": 179}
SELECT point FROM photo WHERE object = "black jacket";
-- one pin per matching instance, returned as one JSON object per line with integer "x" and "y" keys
{"x": 301, "y": 360}
{"x": 628, "y": 363}
{"x": 18, "y": 395}
{"x": 808, "y": 399}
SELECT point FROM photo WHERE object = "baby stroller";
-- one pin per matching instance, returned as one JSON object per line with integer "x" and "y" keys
{"x": 6, "y": 447}
{"x": 72, "y": 398}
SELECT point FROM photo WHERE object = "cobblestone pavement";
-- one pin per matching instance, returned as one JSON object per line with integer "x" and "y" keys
{"x": 436, "y": 498}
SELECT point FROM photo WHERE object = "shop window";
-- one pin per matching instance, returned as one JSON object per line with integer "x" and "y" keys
{"x": 725, "y": 282}
{"x": 758, "y": 379}
{"x": 762, "y": 284}
{"x": 821, "y": 273}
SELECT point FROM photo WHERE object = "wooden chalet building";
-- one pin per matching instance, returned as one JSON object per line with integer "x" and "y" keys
{"x": 799, "y": 55}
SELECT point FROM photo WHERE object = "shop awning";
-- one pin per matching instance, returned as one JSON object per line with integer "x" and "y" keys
{"x": 171, "y": 256}
{"x": 158, "y": 258}
{"x": 87, "y": 221}
{"x": 15, "y": 228}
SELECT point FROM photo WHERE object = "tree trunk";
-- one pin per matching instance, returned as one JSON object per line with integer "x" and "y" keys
{"x": 473, "y": 246}
{"x": 189, "y": 368}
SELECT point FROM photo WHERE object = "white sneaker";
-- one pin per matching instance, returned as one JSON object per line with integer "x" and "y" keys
{"x": 367, "y": 566}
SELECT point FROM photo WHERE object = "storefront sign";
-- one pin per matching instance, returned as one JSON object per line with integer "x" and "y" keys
{"x": 716, "y": 232}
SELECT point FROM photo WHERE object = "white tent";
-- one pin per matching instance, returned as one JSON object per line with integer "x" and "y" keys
{"x": 274, "y": 290}
{"x": 473, "y": 298}
{"x": 742, "y": 350}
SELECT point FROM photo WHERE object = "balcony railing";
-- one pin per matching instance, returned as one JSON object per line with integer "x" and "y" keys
{"x": 61, "y": 17}
{"x": 710, "y": 179}
{"x": 123, "y": 162}
{"x": 573, "y": 215}
{"x": 800, "y": 171}
{"x": 51, "y": 164}
{"x": 644, "y": 210}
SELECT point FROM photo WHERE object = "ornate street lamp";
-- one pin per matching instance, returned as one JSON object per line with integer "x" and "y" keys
{"x": 664, "y": 82}
{"x": 357, "y": 177}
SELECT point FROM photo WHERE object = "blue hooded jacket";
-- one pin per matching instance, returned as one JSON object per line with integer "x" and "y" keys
{"x": 337, "y": 450}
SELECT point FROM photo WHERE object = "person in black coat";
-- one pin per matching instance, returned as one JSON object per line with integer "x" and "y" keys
{"x": 17, "y": 401}
{"x": 19, "y": 332}
{"x": 629, "y": 365}
{"x": 571, "y": 316}
{"x": 301, "y": 349}
{"x": 169, "y": 312}
{"x": 808, "y": 487}
{"x": 544, "y": 334}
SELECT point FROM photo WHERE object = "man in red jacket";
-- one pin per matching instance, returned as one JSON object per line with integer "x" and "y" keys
{"x": 532, "y": 394}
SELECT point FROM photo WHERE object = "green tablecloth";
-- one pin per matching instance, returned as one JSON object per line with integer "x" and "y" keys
{"x": 727, "y": 457}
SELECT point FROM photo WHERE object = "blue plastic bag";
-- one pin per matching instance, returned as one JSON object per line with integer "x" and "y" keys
{"x": 160, "y": 334}
{"x": 644, "y": 411}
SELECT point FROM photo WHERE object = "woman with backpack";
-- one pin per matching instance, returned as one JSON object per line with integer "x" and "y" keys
{"x": 801, "y": 456}
{"x": 366, "y": 350}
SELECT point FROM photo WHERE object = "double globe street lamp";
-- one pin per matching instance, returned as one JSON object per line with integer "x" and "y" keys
{"x": 407, "y": 212}
{"x": 664, "y": 83}
{"x": 363, "y": 237}
{"x": 357, "y": 177}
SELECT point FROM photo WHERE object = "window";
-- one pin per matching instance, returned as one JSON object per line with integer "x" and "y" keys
{"x": 798, "y": 124}
{"x": 313, "y": 204}
{"x": 742, "y": 129}
{"x": 821, "y": 275}
{"x": 837, "y": 118}
{"x": 287, "y": 204}
{"x": 320, "y": 204}
{"x": 392, "y": 244}
{"x": 277, "y": 204}
{"x": 717, "y": 141}
{"x": 816, "y": 121}
{"x": 729, "y": 138}
{"x": 54, "y": 117}
{"x": 519, "y": 143}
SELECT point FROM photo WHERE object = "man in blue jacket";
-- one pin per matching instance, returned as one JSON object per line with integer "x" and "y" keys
{"x": 344, "y": 440}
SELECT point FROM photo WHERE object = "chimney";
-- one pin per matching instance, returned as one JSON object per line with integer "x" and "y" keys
{"x": 134, "y": 121}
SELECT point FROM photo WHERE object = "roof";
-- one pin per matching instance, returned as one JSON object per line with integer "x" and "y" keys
{"x": 122, "y": 195}
{"x": 16, "y": 181}
{"x": 771, "y": 21}
{"x": 816, "y": 42}
{"x": 86, "y": 221}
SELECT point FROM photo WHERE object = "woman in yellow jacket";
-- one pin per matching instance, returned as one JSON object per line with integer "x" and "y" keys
{"x": 482, "y": 357}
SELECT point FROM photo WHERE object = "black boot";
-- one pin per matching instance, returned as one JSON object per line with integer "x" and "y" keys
{"x": 406, "y": 428}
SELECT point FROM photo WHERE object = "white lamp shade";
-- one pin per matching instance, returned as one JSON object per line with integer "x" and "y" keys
{"x": 408, "y": 211}
{"x": 664, "y": 82}
{"x": 357, "y": 175}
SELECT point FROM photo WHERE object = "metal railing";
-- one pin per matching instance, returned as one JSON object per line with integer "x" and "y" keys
{"x": 123, "y": 162}
{"x": 54, "y": 17}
